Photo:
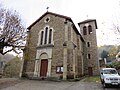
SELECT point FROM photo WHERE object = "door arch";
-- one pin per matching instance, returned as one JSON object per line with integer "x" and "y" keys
{"x": 43, "y": 65}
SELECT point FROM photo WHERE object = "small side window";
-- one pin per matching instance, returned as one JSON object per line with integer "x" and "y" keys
{"x": 88, "y": 44}
{"x": 89, "y": 56}
{"x": 84, "y": 30}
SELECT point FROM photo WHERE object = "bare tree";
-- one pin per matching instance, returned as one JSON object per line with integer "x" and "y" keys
{"x": 12, "y": 32}
{"x": 116, "y": 21}
{"x": 116, "y": 26}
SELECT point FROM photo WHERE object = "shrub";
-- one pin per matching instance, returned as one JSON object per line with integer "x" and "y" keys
{"x": 12, "y": 68}
{"x": 114, "y": 65}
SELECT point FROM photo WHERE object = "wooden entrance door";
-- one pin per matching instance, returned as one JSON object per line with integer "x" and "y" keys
{"x": 43, "y": 68}
{"x": 90, "y": 71}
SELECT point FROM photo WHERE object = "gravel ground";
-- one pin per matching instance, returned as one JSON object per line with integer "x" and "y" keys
{"x": 7, "y": 82}
{"x": 18, "y": 84}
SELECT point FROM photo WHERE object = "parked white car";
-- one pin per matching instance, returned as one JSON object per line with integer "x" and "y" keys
{"x": 109, "y": 76}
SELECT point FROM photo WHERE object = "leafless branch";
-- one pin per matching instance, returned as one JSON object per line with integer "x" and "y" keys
{"x": 12, "y": 30}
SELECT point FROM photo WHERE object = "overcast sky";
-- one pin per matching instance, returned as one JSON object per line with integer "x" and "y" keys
{"x": 104, "y": 11}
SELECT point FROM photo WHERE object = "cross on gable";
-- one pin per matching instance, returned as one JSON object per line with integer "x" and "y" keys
{"x": 47, "y": 8}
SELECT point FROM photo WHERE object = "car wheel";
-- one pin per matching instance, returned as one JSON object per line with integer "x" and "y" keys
{"x": 104, "y": 85}
{"x": 101, "y": 81}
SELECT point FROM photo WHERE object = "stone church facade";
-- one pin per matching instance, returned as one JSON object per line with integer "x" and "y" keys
{"x": 55, "y": 48}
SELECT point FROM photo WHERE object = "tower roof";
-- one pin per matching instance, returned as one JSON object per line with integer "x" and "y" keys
{"x": 87, "y": 21}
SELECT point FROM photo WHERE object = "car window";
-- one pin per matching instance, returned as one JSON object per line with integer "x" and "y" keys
{"x": 110, "y": 72}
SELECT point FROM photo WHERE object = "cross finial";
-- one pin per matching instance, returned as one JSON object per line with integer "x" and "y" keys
{"x": 47, "y": 8}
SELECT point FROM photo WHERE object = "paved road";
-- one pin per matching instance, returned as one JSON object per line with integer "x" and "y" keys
{"x": 50, "y": 85}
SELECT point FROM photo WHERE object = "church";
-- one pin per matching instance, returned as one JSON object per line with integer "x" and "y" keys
{"x": 56, "y": 48}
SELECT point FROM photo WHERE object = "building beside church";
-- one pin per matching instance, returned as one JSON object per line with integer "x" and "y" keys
{"x": 55, "y": 48}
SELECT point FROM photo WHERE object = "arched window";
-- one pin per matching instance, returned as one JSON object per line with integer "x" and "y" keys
{"x": 50, "y": 36}
{"x": 46, "y": 32}
{"x": 89, "y": 56}
{"x": 84, "y": 30}
{"x": 41, "y": 41}
{"x": 45, "y": 36}
{"x": 89, "y": 29}
{"x": 88, "y": 44}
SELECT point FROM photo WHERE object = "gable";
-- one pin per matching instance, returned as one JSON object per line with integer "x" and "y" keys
{"x": 57, "y": 15}
{"x": 68, "y": 18}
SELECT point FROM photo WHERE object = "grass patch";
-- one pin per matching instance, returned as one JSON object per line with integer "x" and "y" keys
{"x": 92, "y": 79}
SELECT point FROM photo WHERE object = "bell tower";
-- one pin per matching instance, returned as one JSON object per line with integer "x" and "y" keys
{"x": 88, "y": 32}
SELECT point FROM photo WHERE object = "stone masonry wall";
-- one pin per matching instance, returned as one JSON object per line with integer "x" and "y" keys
{"x": 58, "y": 36}
{"x": 92, "y": 50}
{"x": 58, "y": 26}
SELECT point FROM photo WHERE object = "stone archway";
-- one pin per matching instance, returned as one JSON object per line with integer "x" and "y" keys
{"x": 41, "y": 56}
{"x": 43, "y": 65}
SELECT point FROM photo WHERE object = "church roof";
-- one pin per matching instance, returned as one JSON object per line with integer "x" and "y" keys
{"x": 88, "y": 20}
{"x": 62, "y": 16}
